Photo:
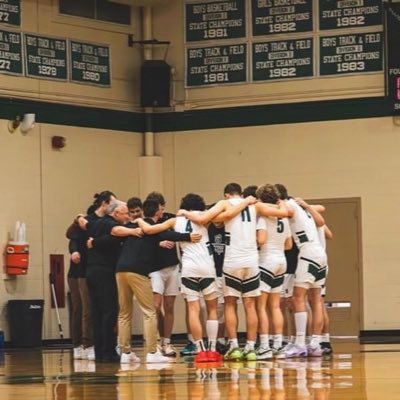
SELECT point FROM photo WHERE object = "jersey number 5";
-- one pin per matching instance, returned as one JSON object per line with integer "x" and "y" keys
{"x": 280, "y": 227}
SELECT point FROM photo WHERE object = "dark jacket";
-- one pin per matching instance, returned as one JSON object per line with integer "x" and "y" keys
{"x": 140, "y": 255}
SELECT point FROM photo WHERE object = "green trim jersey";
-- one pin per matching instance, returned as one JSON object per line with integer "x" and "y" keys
{"x": 278, "y": 230}
{"x": 197, "y": 258}
{"x": 240, "y": 238}
{"x": 302, "y": 226}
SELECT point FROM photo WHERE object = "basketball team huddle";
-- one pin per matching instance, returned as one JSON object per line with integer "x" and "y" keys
{"x": 259, "y": 247}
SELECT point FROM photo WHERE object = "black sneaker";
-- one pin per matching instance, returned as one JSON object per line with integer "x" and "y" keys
{"x": 222, "y": 348}
{"x": 326, "y": 348}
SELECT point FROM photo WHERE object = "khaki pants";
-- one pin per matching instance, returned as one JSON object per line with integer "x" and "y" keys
{"x": 130, "y": 284}
{"x": 81, "y": 322}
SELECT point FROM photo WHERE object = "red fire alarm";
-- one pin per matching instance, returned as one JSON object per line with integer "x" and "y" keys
{"x": 57, "y": 142}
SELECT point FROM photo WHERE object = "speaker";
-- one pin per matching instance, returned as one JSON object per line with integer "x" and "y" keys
{"x": 155, "y": 84}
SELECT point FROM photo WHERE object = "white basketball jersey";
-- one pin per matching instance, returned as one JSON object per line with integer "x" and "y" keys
{"x": 278, "y": 230}
{"x": 197, "y": 259}
{"x": 302, "y": 226}
{"x": 240, "y": 238}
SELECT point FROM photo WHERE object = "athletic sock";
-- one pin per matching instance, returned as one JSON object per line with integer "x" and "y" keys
{"x": 325, "y": 337}
{"x": 277, "y": 341}
{"x": 250, "y": 345}
{"x": 212, "y": 332}
{"x": 233, "y": 343}
{"x": 315, "y": 340}
{"x": 264, "y": 341}
{"x": 200, "y": 345}
{"x": 300, "y": 320}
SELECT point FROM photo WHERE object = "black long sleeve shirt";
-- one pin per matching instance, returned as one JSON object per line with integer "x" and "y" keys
{"x": 140, "y": 254}
{"x": 77, "y": 243}
{"x": 106, "y": 248}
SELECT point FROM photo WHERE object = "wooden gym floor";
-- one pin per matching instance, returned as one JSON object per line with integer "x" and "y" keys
{"x": 353, "y": 372}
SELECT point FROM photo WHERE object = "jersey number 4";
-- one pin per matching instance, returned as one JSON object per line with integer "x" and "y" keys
{"x": 189, "y": 227}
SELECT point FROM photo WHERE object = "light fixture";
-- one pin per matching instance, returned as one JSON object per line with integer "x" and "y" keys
{"x": 25, "y": 123}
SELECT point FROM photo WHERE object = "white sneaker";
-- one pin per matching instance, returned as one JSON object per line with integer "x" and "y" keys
{"x": 156, "y": 357}
{"x": 127, "y": 358}
{"x": 78, "y": 353}
{"x": 264, "y": 353}
{"x": 169, "y": 350}
{"x": 295, "y": 350}
{"x": 89, "y": 353}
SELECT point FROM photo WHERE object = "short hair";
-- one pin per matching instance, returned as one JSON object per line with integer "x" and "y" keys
{"x": 150, "y": 207}
{"x": 250, "y": 191}
{"x": 268, "y": 194}
{"x": 283, "y": 193}
{"x": 193, "y": 202}
{"x": 134, "y": 202}
{"x": 113, "y": 206}
{"x": 157, "y": 196}
{"x": 232, "y": 189}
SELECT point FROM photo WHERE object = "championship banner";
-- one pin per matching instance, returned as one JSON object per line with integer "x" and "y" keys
{"x": 392, "y": 60}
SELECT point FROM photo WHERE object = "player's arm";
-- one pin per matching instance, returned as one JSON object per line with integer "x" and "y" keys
{"x": 318, "y": 218}
{"x": 281, "y": 210}
{"x": 81, "y": 221}
{"x": 288, "y": 243}
{"x": 261, "y": 237}
{"x": 328, "y": 232}
{"x": 206, "y": 216}
{"x": 231, "y": 211}
{"x": 318, "y": 207}
{"x": 123, "y": 231}
{"x": 157, "y": 228}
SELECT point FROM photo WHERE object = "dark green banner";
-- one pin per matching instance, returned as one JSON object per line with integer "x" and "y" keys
{"x": 216, "y": 20}
{"x": 283, "y": 59}
{"x": 350, "y": 54}
{"x": 343, "y": 14}
{"x": 45, "y": 57}
{"x": 11, "y": 53}
{"x": 10, "y": 12}
{"x": 90, "y": 63}
{"x": 271, "y": 17}
{"x": 216, "y": 65}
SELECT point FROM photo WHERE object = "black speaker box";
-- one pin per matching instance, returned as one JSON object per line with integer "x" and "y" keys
{"x": 155, "y": 84}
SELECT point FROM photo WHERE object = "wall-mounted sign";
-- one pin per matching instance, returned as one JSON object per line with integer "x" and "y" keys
{"x": 45, "y": 57}
{"x": 270, "y": 17}
{"x": 392, "y": 61}
{"x": 352, "y": 53}
{"x": 90, "y": 63}
{"x": 11, "y": 53}
{"x": 342, "y": 14}
{"x": 216, "y": 65}
{"x": 283, "y": 59}
{"x": 218, "y": 20}
{"x": 10, "y": 12}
